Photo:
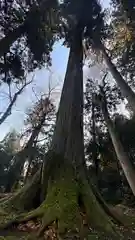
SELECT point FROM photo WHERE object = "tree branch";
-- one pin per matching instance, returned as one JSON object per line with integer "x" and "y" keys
{"x": 12, "y": 102}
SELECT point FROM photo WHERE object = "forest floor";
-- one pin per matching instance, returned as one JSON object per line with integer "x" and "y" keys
{"x": 28, "y": 231}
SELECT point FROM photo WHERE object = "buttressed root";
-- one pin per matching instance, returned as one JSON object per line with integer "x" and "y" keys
{"x": 72, "y": 205}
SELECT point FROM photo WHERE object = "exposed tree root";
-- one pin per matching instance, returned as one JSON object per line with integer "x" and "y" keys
{"x": 113, "y": 215}
{"x": 26, "y": 199}
{"x": 68, "y": 198}
{"x": 22, "y": 218}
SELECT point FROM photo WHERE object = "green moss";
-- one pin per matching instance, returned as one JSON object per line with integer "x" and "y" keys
{"x": 62, "y": 205}
{"x": 16, "y": 235}
{"x": 92, "y": 237}
{"x": 11, "y": 238}
{"x": 24, "y": 199}
{"x": 62, "y": 202}
{"x": 6, "y": 218}
{"x": 2, "y": 212}
{"x": 19, "y": 235}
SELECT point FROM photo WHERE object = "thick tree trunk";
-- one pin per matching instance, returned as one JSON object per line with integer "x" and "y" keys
{"x": 124, "y": 87}
{"x": 122, "y": 156}
{"x": 69, "y": 201}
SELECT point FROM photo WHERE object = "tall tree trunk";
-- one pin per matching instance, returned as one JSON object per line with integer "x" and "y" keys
{"x": 124, "y": 87}
{"x": 68, "y": 191}
{"x": 122, "y": 156}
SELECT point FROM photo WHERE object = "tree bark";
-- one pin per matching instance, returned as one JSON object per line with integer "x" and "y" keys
{"x": 122, "y": 156}
{"x": 69, "y": 196}
{"x": 124, "y": 87}
{"x": 28, "y": 169}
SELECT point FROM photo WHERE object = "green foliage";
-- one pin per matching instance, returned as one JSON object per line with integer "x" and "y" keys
{"x": 123, "y": 36}
{"x": 42, "y": 117}
{"x": 24, "y": 26}
{"x": 94, "y": 114}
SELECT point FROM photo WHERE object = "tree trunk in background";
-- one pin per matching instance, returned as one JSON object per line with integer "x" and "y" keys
{"x": 28, "y": 169}
{"x": 21, "y": 157}
{"x": 94, "y": 148}
{"x": 122, "y": 156}
{"x": 124, "y": 87}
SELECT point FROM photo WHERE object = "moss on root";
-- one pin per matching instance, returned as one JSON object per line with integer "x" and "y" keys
{"x": 18, "y": 235}
{"x": 68, "y": 197}
{"x": 61, "y": 204}
{"x": 68, "y": 201}
{"x": 25, "y": 199}
{"x": 96, "y": 215}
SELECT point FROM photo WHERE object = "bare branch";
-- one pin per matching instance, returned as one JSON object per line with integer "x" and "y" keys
{"x": 12, "y": 102}
{"x": 10, "y": 94}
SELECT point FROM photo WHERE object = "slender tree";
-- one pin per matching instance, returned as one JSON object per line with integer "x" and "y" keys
{"x": 98, "y": 44}
{"x": 45, "y": 107}
{"x": 122, "y": 156}
{"x": 126, "y": 90}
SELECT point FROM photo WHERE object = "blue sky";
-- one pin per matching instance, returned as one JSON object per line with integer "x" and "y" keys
{"x": 40, "y": 86}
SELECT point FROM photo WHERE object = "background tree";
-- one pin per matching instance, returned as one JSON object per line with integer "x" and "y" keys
{"x": 42, "y": 142}
{"x": 122, "y": 33}
{"x": 121, "y": 154}
{"x": 102, "y": 145}
{"x": 39, "y": 117}
{"x": 8, "y": 148}
{"x": 99, "y": 45}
